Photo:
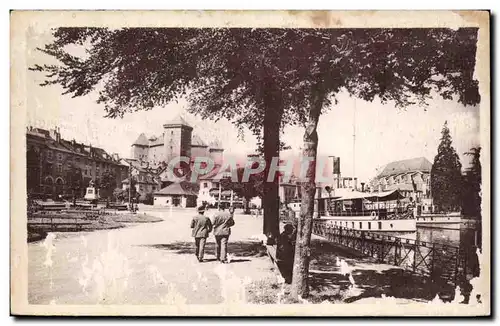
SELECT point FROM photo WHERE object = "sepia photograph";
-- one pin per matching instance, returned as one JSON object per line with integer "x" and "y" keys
{"x": 272, "y": 163}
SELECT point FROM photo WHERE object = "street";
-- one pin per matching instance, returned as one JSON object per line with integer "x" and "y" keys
{"x": 149, "y": 263}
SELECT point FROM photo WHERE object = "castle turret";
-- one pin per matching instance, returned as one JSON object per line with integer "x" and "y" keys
{"x": 177, "y": 138}
{"x": 140, "y": 148}
{"x": 216, "y": 151}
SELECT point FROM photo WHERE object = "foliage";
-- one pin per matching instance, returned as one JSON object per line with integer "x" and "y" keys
{"x": 107, "y": 183}
{"x": 146, "y": 198}
{"x": 471, "y": 200}
{"x": 223, "y": 71}
{"x": 248, "y": 190}
{"x": 120, "y": 194}
{"x": 446, "y": 175}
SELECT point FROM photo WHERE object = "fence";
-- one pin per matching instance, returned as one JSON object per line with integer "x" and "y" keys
{"x": 442, "y": 263}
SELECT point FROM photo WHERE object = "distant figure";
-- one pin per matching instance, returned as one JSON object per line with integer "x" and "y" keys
{"x": 409, "y": 209}
{"x": 223, "y": 221}
{"x": 201, "y": 226}
{"x": 286, "y": 252}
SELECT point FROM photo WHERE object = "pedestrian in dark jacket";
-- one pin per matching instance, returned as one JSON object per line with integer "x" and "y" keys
{"x": 223, "y": 221}
{"x": 286, "y": 252}
{"x": 201, "y": 226}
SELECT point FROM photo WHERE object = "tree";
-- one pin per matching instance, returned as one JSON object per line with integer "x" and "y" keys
{"x": 119, "y": 194}
{"x": 247, "y": 190}
{"x": 225, "y": 73}
{"x": 75, "y": 181}
{"x": 106, "y": 185}
{"x": 262, "y": 78}
{"x": 471, "y": 201}
{"x": 446, "y": 174}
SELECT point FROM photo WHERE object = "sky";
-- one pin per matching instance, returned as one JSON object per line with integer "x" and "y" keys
{"x": 383, "y": 132}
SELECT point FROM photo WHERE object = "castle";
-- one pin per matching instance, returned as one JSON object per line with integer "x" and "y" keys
{"x": 176, "y": 140}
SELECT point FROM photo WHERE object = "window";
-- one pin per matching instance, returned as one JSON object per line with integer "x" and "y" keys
{"x": 59, "y": 156}
{"x": 360, "y": 225}
{"x": 205, "y": 184}
{"x": 49, "y": 155}
{"x": 380, "y": 225}
{"x": 369, "y": 225}
{"x": 59, "y": 168}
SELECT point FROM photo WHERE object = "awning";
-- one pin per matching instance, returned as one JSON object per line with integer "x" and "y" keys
{"x": 380, "y": 196}
{"x": 386, "y": 195}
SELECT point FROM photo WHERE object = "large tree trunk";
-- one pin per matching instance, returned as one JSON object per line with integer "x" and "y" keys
{"x": 270, "y": 199}
{"x": 302, "y": 251}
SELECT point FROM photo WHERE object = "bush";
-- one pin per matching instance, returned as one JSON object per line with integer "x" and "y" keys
{"x": 146, "y": 199}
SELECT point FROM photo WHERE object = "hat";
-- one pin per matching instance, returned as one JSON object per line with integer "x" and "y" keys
{"x": 201, "y": 209}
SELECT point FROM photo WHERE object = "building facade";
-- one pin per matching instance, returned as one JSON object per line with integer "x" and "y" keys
{"x": 58, "y": 167}
{"x": 150, "y": 157}
{"x": 411, "y": 177}
{"x": 176, "y": 140}
{"x": 146, "y": 180}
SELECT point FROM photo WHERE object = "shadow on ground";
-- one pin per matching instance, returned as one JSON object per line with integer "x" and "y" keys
{"x": 326, "y": 282}
{"x": 237, "y": 248}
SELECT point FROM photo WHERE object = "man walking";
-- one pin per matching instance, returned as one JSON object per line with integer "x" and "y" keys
{"x": 223, "y": 222}
{"x": 201, "y": 226}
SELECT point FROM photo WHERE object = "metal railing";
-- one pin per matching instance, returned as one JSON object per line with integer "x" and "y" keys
{"x": 450, "y": 264}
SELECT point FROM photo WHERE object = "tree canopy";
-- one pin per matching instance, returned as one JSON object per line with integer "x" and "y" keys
{"x": 228, "y": 72}
{"x": 446, "y": 174}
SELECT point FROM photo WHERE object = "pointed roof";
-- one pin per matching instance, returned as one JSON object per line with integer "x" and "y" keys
{"x": 197, "y": 141}
{"x": 216, "y": 144}
{"x": 176, "y": 122}
{"x": 412, "y": 165}
{"x": 180, "y": 188}
{"x": 142, "y": 140}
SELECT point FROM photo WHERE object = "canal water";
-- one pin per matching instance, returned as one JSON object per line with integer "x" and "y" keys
{"x": 452, "y": 237}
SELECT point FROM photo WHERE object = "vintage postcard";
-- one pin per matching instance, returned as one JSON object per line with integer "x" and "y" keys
{"x": 250, "y": 163}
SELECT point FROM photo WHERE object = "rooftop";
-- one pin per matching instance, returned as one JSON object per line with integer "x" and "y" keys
{"x": 411, "y": 165}
{"x": 177, "y": 121}
{"x": 179, "y": 188}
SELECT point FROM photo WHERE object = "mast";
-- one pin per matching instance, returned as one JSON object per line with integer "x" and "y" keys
{"x": 354, "y": 181}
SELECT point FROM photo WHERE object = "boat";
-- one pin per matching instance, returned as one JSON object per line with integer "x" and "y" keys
{"x": 373, "y": 212}
{"x": 427, "y": 217}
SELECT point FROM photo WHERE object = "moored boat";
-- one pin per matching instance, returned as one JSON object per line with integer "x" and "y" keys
{"x": 374, "y": 212}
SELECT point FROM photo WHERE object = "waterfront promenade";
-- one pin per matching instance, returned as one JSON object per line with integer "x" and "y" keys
{"x": 154, "y": 263}
{"x": 149, "y": 263}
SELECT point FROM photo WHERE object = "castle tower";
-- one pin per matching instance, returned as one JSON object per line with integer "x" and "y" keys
{"x": 216, "y": 152}
{"x": 177, "y": 138}
{"x": 198, "y": 147}
{"x": 139, "y": 150}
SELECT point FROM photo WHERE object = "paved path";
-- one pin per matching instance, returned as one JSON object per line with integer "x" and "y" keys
{"x": 151, "y": 263}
